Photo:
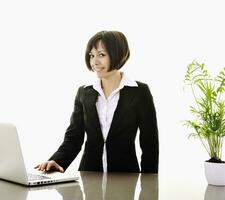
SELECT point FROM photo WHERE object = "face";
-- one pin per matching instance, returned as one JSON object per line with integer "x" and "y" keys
{"x": 100, "y": 61}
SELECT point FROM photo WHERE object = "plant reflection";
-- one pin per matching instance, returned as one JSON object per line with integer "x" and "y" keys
{"x": 214, "y": 193}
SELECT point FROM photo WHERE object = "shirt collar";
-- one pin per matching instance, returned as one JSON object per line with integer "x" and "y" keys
{"x": 125, "y": 81}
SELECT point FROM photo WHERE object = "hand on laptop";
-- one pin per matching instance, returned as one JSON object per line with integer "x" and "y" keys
{"x": 49, "y": 166}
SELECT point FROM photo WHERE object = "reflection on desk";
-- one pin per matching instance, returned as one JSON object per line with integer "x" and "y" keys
{"x": 214, "y": 193}
{"x": 119, "y": 186}
{"x": 10, "y": 191}
{"x": 96, "y": 185}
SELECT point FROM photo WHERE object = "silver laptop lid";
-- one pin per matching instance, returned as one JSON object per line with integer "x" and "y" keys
{"x": 12, "y": 165}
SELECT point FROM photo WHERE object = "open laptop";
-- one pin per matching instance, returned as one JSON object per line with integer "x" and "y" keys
{"x": 12, "y": 166}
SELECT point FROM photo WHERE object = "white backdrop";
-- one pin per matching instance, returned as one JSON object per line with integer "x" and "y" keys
{"x": 42, "y": 46}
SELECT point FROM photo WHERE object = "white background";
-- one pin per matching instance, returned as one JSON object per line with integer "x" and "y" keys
{"x": 42, "y": 45}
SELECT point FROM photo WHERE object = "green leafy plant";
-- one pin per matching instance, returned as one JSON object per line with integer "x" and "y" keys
{"x": 209, "y": 120}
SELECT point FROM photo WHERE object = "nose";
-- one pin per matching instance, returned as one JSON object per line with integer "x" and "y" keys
{"x": 94, "y": 60}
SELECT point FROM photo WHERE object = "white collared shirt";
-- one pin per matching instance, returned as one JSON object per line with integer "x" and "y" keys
{"x": 106, "y": 108}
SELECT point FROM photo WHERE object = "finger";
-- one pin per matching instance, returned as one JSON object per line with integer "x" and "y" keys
{"x": 57, "y": 166}
{"x": 43, "y": 166}
{"x": 37, "y": 166}
{"x": 61, "y": 169}
{"x": 49, "y": 166}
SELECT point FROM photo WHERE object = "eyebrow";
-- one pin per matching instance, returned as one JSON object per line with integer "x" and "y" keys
{"x": 99, "y": 51}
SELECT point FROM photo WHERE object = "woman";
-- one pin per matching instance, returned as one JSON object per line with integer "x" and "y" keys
{"x": 110, "y": 112}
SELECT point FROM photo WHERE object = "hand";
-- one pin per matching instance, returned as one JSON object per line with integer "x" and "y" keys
{"x": 49, "y": 165}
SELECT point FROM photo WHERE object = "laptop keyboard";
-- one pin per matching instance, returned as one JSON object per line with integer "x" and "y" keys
{"x": 33, "y": 177}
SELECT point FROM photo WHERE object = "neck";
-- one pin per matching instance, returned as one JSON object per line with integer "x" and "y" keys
{"x": 110, "y": 83}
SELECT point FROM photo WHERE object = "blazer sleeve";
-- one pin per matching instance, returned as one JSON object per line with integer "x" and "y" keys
{"x": 74, "y": 136}
{"x": 148, "y": 131}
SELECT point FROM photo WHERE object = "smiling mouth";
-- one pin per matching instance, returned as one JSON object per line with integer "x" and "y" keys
{"x": 99, "y": 69}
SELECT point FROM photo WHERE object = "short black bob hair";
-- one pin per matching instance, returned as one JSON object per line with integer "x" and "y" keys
{"x": 115, "y": 44}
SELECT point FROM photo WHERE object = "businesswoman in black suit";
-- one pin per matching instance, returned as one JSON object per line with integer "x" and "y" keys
{"x": 110, "y": 112}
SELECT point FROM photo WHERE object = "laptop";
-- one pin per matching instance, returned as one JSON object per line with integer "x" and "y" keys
{"x": 12, "y": 166}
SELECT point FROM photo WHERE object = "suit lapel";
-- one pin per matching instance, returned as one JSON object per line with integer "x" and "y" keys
{"x": 91, "y": 96}
{"x": 127, "y": 95}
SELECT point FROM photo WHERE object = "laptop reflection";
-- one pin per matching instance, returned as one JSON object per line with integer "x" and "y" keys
{"x": 10, "y": 191}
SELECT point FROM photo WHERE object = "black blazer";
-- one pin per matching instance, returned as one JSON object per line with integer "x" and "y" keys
{"x": 135, "y": 110}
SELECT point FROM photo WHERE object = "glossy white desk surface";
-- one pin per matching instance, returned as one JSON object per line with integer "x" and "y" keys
{"x": 118, "y": 186}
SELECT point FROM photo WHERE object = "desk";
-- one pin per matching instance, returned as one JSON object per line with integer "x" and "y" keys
{"x": 116, "y": 186}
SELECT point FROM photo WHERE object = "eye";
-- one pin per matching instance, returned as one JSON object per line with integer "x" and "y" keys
{"x": 101, "y": 54}
{"x": 91, "y": 55}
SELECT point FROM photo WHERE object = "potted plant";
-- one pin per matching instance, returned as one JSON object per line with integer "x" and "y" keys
{"x": 208, "y": 123}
